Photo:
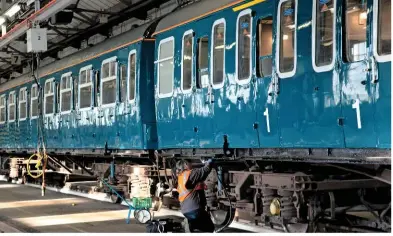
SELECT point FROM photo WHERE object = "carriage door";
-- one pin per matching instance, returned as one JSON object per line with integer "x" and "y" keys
{"x": 266, "y": 105}
{"x": 233, "y": 103}
{"x": 358, "y": 87}
{"x": 381, "y": 70}
{"x": 107, "y": 112}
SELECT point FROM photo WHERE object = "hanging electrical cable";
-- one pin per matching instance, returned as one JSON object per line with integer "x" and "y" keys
{"x": 42, "y": 158}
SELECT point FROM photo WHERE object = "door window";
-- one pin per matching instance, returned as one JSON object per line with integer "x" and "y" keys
{"x": 287, "y": 38}
{"x": 244, "y": 41}
{"x": 265, "y": 47}
{"x": 355, "y": 30}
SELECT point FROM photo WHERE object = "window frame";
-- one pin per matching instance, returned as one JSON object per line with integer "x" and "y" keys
{"x": 47, "y": 95}
{"x": 134, "y": 51}
{"x": 21, "y": 101}
{"x": 31, "y": 101}
{"x": 85, "y": 68}
{"x": 109, "y": 60}
{"x": 245, "y": 81}
{"x": 8, "y": 107}
{"x": 284, "y": 75}
{"x": 159, "y": 60}
{"x": 188, "y": 32}
{"x": 379, "y": 58}
{"x": 5, "y": 107}
{"x": 65, "y": 90}
{"x": 330, "y": 66}
{"x": 219, "y": 85}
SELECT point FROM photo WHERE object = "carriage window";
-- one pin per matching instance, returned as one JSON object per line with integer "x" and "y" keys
{"x": 355, "y": 32}
{"x": 11, "y": 107}
{"x": 324, "y": 28}
{"x": 2, "y": 109}
{"x": 187, "y": 61}
{"x": 244, "y": 40}
{"x": 287, "y": 36}
{"x": 49, "y": 97}
{"x": 384, "y": 45}
{"x": 34, "y": 101}
{"x": 166, "y": 66}
{"x": 218, "y": 49}
{"x": 132, "y": 80}
{"x": 265, "y": 47}
{"x": 203, "y": 62}
{"x": 65, "y": 93}
{"x": 85, "y": 88}
{"x": 123, "y": 83}
{"x": 75, "y": 89}
{"x": 22, "y": 104}
{"x": 108, "y": 82}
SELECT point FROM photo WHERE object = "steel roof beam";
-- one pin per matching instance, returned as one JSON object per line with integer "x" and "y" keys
{"x": 17, "y": 51}
{"x": 77, "y": 10}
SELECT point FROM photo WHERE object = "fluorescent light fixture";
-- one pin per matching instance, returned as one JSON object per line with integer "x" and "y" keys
{"x": 2, "y": 20}
{"x": 363, "y": 15}
{"x": 291, "y": 26}
{"x": 362, "y": 18}
{"x": 13, "y": 10}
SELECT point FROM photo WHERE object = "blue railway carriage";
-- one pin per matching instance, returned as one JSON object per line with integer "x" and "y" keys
{"x": 259, "y": 84}
{"x": 257, "y": 77}
{"x": 91, "y": 101}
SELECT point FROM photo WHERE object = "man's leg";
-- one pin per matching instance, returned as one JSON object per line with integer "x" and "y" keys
{"x": 203, "y": 222}
{"x": 191, "y": 221}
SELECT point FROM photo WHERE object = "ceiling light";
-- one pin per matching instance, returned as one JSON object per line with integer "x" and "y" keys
{"x": 363, "y": 15}
{"x": 291, "y": 26}
{"x": 13, "y": 10}
{"x": 285, "y": 37}
{"x": 2, "y": 20}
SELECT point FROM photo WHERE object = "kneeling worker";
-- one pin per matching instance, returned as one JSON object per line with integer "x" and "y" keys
{"x": 192, "y": 195}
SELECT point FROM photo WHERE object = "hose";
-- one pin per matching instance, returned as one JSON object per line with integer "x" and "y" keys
{"x": 230, "y": 205}
{"x": 382, "y": 216}
{"x": 37, "y": 166}
{"x": 40, "y": 159}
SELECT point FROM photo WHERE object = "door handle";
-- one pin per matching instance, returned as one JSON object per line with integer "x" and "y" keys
{"x": 276, "y": 83}
{"x": 374, "y": 72}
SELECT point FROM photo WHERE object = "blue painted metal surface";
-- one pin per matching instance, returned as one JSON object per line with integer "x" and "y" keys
{"x": 305, "y": 113}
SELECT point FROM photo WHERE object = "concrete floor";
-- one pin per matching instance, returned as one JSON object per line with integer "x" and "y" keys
{"x": 23, "y": 209}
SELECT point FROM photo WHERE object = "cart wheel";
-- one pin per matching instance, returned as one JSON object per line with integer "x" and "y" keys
{"x": 142, "y": 216}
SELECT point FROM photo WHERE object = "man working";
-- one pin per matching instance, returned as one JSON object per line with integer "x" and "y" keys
{"x": 192, "y": 195}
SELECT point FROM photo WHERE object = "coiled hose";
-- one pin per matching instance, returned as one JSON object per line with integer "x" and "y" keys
{"x": 42, "y": 161}
{"x": 230, "y": 206}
